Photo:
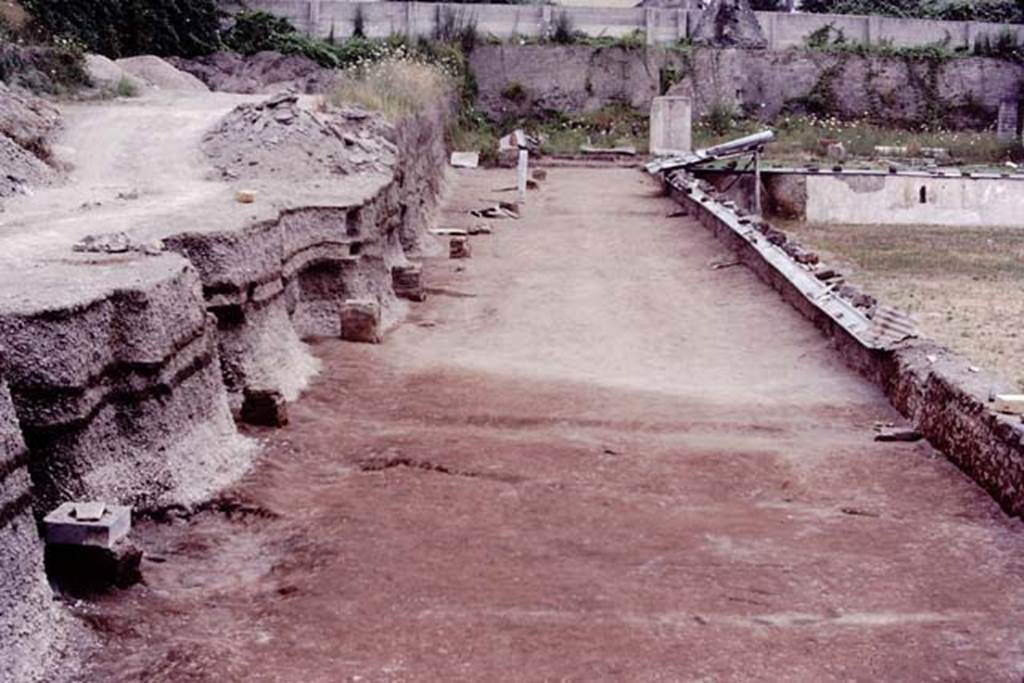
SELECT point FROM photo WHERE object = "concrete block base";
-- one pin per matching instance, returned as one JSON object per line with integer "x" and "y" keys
{"x": 264, "y": 407}
{"x": 407, "y": 281}
{"x": 67, "y": 526}
{"x": 671, "y": 125}
{"x": 360, "y": 321}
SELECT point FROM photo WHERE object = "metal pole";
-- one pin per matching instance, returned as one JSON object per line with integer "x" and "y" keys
{"x": 757, "y": 183}
{"x": 522, "y": 173}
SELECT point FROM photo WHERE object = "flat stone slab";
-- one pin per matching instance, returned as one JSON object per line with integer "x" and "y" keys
{"x": 76, "y": 524}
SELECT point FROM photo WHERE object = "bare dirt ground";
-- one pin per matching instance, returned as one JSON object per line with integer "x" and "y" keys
{"x": 588, "y": 456}
{"x": 962, "y": 285}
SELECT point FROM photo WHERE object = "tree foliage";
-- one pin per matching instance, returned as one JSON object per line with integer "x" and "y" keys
{"x": 119, "y": 28}
{"x": 998, "y": 11}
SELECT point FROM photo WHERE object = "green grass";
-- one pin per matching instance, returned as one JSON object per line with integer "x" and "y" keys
{"x": 799, "y": 139}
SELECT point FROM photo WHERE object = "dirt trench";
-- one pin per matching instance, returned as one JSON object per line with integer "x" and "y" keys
{"x": 588, "y": 455}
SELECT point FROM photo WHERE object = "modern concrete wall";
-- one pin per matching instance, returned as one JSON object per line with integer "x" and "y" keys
{"x": 914, "y": 200}
{"x": 322, "y": 17}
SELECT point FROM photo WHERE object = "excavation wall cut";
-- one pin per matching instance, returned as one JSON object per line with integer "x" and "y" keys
{"x": 123, "y": 387}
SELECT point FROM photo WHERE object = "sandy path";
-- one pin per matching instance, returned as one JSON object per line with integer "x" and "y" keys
{"x": 134, "y": 163}
{"x": 588, "y": 457}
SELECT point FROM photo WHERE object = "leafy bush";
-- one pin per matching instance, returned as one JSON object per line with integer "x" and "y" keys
{"x": 457, "y": 27}
{"x": 720, "y": 118}
{"x": 54, "y": 70}
{"x": 255, "y": 32}
{"x": 563, "y": 31}
{"x": 997, "y": 11}
{"x": 118, "y": 28}
{"x": 1003, "y": 46}
{"x": 514, "y": 92}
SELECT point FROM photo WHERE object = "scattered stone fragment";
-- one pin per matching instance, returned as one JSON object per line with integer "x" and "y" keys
{"x": 837, "y": 151}
{"x": 361, "y": 321}
{"x": 407, "y": 281}
{"x": 245, "y": 196}
{"x": 465, "y": 159}
{"x": 857, "y": 512}
{"x": 1011, "y": 404}
{"x": 458, "y": 247}
{"x": 898, "y": 434}
{"x": 479, "y": 230}
{"x": 540, "y": 175}
{"x": 110, "y": 243}
{"x": 264, "y": 407}
{"x": 116, "y": 243}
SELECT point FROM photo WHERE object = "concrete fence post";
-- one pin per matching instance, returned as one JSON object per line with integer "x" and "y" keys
{"x": 546, "y": 21}
{"x": 872, "y": 30}
{"x": 680, "y": 24}
{"x": 649, "y": 25}
{"x": 773, "y": 31}
{"x": 410, "y": 19}
{"x": 970, "y": 34}
{"x": 313, "y": 19}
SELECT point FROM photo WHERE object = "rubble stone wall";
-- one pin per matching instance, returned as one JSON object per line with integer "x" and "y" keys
{"x": 932, "y": 386}
{"x": 577, "y": 79}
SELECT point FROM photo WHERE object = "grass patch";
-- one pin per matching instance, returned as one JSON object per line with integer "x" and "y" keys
{"x": 958, "y": 283}
{"x": 393, "y": 87}
{"x": 799, "y": 139}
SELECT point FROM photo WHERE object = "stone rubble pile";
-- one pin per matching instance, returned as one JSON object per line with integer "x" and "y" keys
{"x": 251, "y": 142}
{"x": 26, "y": 125}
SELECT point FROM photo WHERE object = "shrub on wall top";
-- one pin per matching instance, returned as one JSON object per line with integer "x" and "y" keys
{"x": 998, "y": 11}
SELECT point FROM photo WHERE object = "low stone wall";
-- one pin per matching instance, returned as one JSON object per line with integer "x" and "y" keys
{"x": 124, "y": 384}
{"x": 932, "y": 386}
{"x": 576, "y": 79}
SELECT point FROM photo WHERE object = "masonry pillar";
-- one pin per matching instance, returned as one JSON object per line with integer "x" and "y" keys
{"x": 671, "y": 125}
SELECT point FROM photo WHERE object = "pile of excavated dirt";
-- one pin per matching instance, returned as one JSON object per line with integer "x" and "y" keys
{"x": 263, "y": 72}
{"x": 26, "y": 125}
{"x": 104, "y": 71}
{"x": 157, "y": 73}
{"x": 282, "y": 140}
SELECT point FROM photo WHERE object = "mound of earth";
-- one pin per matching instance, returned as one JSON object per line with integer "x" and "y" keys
{"x": 281, "y": 139}
{"x": 26, "y": 125}
{"x": 263, "y": 72}
{"x": 157, "y": 73}
{"x": 104, "y": 71}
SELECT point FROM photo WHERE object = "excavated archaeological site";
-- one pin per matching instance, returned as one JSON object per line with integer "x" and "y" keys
{"x": 373, "y": 425}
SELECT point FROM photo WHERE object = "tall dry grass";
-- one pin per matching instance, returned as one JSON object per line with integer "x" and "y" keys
{"x": 393, "y": 87}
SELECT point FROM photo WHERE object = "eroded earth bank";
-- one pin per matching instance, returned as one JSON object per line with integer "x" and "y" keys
{"x": 143, "y": 308}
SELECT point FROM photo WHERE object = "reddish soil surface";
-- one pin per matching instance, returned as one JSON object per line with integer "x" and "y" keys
{"x": 588, "y": 456}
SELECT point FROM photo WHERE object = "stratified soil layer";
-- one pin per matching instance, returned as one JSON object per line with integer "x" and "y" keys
{"x": 589, "y": 455}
